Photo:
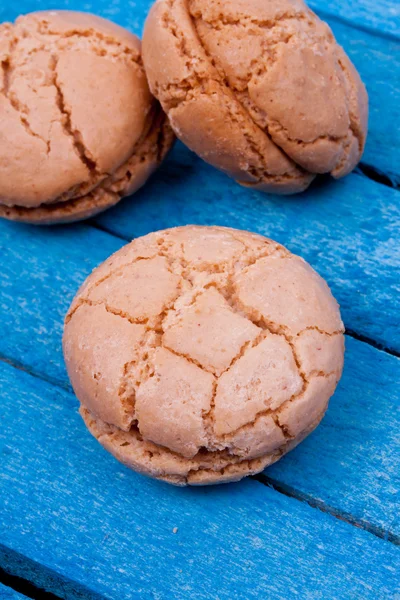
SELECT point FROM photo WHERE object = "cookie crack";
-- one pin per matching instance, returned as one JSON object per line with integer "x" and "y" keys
{"x": 316, "y": 328}
{"x": 228, "y": 292}
{"x": 221, "y": 19}
{"x": 152, "y": 145}
{"x": 189, "y": 359}
{"x": 15, "y": 103}
{"x": 110, "y": 309}
{"x": 272, "y": 127}
{"x": 263, "y": 323}
{"x": 6, "y": 67}
{"x": 215, "y": 445}
{"x": 214, "y": 441}
{"x": 279, "y": 128}
{"x": 129, "y": 384}
{"x": 116, "y": 271}
{"x": 196, "y": 83}
{"x": 275, "y": 413}
{"x": 108, "y": 42}
{"x": 232, "y": 103}
{"x": 66, "y": 121}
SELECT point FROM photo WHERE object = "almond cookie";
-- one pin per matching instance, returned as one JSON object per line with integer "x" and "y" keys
{"x": 201, "y": 355}
{"x": 258, "y": 88}
{"x": 79, "y": 128}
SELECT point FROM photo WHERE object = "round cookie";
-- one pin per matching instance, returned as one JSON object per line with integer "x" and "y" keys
{"x": 202, "y": 354}
{"x": 260, "y": 89}
{"x": 79, "y": 127}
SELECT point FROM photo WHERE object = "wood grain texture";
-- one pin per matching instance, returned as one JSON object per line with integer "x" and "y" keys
{"x": 86, "y": 518}
{"x": 348, "y": 230}
{"x": 358, "y": 476}
{"x": 379, "y": 16}
{"x": 378, "y": 62}
{"x": 6, "y": 593}
{"x": 377, "y": 59}
{"x": 41, "y": 269}
{"x": 77, "y": 523}
{"x": 355, "y": 453}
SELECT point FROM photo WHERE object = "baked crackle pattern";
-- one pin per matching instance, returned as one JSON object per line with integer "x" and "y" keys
{"x": 79, "y": 127}
{"x": 203, "y": 354}
{"x": 260, "y": 89}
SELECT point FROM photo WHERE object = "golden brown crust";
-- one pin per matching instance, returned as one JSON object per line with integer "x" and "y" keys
{"x": 80, "y": 123}
{"x": 131, "y": 176}
{"x": 260, "y": 90}
{"x": 203, "y": 349}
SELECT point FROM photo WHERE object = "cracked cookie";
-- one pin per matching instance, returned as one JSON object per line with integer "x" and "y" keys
{"x": 79, "y": 128}
{"x": 203, "y": 354}
{"x": 258, "y": 88}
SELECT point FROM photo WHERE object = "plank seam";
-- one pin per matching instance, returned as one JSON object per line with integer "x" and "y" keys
{"x": 25, "y": 587}
{"x": 374, "y": 174}
{"x": 291, "y": 492}
{"x": 37, "y": 374}
{"x": 269, "y": 482}
{"x": 42, "y": 582}
{"x": 349, "y": 331}
{"x": 370, "y": 342}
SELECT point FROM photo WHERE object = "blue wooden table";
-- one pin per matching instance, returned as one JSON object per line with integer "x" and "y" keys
{"x": 324, "y": 522}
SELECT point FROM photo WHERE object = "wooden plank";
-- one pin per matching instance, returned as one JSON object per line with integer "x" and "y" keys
{"x": 380, "y": 16}
{"x": 40, "y": 274}
{"x": 348, "y": 230}
{"x": 377, "y": 59}
{"x": 378, "y": 62}
{"x": 355, "y": 453}
{"x": 7, "y": 593}
{"x": 73, "y": 509}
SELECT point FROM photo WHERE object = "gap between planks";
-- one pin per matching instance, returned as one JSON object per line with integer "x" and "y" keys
{"x": 26, "y": 572}
{"x": 280, "y": 488}
{"x": 25, "y": 587}
{"x": 350, "y": 332}
{"x": 370, "y": 172}
{"x": 291, "y": 492}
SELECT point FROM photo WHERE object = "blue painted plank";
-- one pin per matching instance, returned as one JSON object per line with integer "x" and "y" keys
{"x": 7, "y": 593}
{"x": 73, "y": 509}
{"x": 348, "y": 230}
{"x": 39, "y": 274}
{"x": 378, "y": 62}
{"x": 41, "y": 269}
{"x": 379, "y": 16}
{"x": 355, "y": 453}
{"x": 377, "y": 59}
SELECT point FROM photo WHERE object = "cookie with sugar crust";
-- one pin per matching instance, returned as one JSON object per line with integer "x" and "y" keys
{"x": 203, "y": 354}
{"x": 258, "y": 88}
{"x": 80, "y": 128}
